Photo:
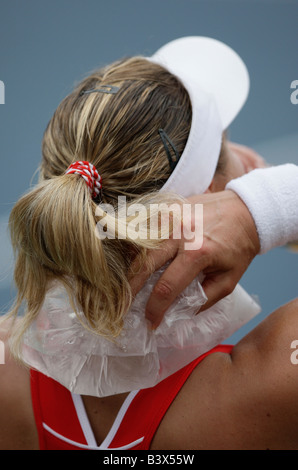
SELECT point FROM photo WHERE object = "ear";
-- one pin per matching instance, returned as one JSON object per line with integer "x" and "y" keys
{"x": 210, "y": 189}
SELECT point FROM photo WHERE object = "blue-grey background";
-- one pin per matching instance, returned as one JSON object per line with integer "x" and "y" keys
{"x": 46, "y": 46}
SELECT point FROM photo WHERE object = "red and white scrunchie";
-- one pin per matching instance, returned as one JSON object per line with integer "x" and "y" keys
{"x": 90, "y": 174}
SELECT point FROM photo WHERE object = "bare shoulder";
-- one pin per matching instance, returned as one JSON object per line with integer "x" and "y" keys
{"x": 17, "y": 424}
{"x": 243, "y": 400}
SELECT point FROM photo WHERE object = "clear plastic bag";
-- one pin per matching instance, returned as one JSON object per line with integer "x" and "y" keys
{"x": 58, "y": 345}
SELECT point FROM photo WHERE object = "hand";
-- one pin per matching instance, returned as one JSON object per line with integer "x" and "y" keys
{"x": 230, "y": 242}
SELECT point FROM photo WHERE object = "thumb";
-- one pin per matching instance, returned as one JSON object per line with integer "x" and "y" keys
{"x": 178, "y": 275}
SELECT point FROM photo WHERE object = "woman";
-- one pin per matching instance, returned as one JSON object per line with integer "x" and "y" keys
{"x": 142, "y": 130}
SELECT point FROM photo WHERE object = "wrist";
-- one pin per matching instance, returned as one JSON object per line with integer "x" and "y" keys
{"x": 244, "y": 218}
{"x": 229, "y": 211}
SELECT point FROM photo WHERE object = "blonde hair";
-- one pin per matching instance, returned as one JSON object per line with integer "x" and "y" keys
{"x": 53, "y": 226}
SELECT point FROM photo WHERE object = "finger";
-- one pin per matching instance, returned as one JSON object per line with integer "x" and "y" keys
{"x": 216, "y": 288}
{"x": 172, "y": 282}
{"x": 140, "y": 270}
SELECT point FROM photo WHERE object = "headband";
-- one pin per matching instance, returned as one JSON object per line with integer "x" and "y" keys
{"x": 217, "y": 82}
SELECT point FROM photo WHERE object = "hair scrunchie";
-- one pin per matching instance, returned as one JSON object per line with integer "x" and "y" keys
{"x": 90, "y": 174}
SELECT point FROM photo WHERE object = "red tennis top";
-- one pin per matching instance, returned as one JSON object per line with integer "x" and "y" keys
{"x": 62, "y": 422}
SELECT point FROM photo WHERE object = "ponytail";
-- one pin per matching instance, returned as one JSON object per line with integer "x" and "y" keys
{"x": 54, "y": 233}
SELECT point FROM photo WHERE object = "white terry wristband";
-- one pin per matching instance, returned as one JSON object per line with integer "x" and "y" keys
{"x": 271, "y": 195}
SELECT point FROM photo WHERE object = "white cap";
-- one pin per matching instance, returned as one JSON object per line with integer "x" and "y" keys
{"x": 217, "y": 82}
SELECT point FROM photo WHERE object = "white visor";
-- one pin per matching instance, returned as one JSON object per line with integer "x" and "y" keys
{"x": 217, "y": 82}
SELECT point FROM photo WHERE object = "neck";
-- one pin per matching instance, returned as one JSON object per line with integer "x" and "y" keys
{"x": 102, "y": 413}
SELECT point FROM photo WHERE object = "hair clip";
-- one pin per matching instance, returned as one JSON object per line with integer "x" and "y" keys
{"x": 166, "y": 142}
{"x": 110, "y": 89}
